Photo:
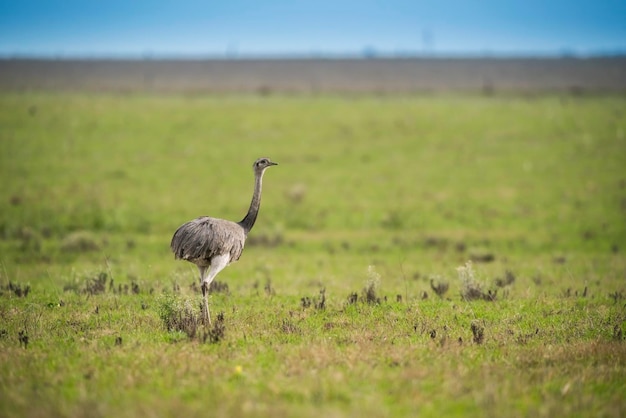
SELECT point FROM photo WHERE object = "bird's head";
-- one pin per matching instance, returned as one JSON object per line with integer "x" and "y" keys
{"x": 262, "y": 163}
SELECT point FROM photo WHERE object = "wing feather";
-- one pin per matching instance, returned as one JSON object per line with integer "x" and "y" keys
{"x": 201, "y": 239}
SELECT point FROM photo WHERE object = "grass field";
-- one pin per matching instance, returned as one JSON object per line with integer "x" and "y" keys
{"x": 355, "y": 295}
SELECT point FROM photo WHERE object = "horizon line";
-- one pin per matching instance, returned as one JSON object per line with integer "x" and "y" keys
{"x": 366, "y": 54}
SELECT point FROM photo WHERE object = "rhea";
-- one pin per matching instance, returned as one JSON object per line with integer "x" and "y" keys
{"x": 212, "y": 243}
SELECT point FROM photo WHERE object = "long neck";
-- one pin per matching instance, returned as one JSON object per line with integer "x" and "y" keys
{"x": 248, "y": 221}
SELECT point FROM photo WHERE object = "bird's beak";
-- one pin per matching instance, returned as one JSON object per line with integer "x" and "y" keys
{"x": 273, "y": 163}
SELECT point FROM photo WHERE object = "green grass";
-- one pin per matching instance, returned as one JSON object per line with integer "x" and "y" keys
{"x": 379, "y": 192}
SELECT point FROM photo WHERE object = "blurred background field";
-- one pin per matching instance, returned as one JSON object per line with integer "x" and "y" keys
{"x": 544, "y": 174}
{"x": 333, "y": 74}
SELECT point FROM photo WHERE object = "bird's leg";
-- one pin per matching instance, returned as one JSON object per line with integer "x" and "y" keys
{"x": 205, "y": 299}
{"x": 205, "y": 294}
{"x": 217, "y": 264}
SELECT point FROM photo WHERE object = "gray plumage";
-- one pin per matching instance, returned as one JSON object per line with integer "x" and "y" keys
{"x": 201, "y": 239}
{"x": 211, "y": 243}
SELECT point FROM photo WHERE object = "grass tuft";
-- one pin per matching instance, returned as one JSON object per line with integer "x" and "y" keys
{"x": 17, "y": 289}
{"x": 478, "y": 332}
{"x": 440, "y": 288}
{"x": 23, "y": 339}
{"x": 471, "y": 287}
{"x": 370, "y": 291}
{"x": 318, "y": 303}
{"x": 217, "y": 331}
{"x": 97, "y": 285}
{"x": 177, "y": 315}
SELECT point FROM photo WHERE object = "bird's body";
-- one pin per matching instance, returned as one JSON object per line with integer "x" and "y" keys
{"x": 212, "y": 243}
{"x": 200, "y": 240}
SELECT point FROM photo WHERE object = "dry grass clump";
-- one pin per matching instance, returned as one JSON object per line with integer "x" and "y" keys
{"x": 100, "y": 283}
{"x": 472, "y": 288}
{"x": 319, "y": 303}
{"x": 369, "y": 294}
{"x": 217, "y": 332}
{"x": 178, "y": 315}
{"x": 440, "y": 287}
{"x": 478, "y": 332}
{"x": 16, "y": 289}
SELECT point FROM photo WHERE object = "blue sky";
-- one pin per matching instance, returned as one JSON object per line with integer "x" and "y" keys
{"x": 277, "y": 27}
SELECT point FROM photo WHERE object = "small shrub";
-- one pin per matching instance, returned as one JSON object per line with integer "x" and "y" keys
{"x": 321, "y": 302}
{"x": 17, "y": 289}
{"x": 440, "y": 288}
{"x": 617, "y": 296}
{"x": 471, "y": 288}
{"x": 353, "y": 298}
{"x": 370, "y": 291}
{"x": 178, "y": 315}
{"x": 568, "y": 293}
{"x": 217, "y": 332}
{"x": 369, "y": 294}
{"x": 478, "y": 332}
{"x": 305, "y": 302}
{"x": 96, "y": 285}
{"x": 618, "y": 335}
{"x": 288, "y": 327}
{"x": 23, "y": 338}
{"x": 134, "y": 287}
